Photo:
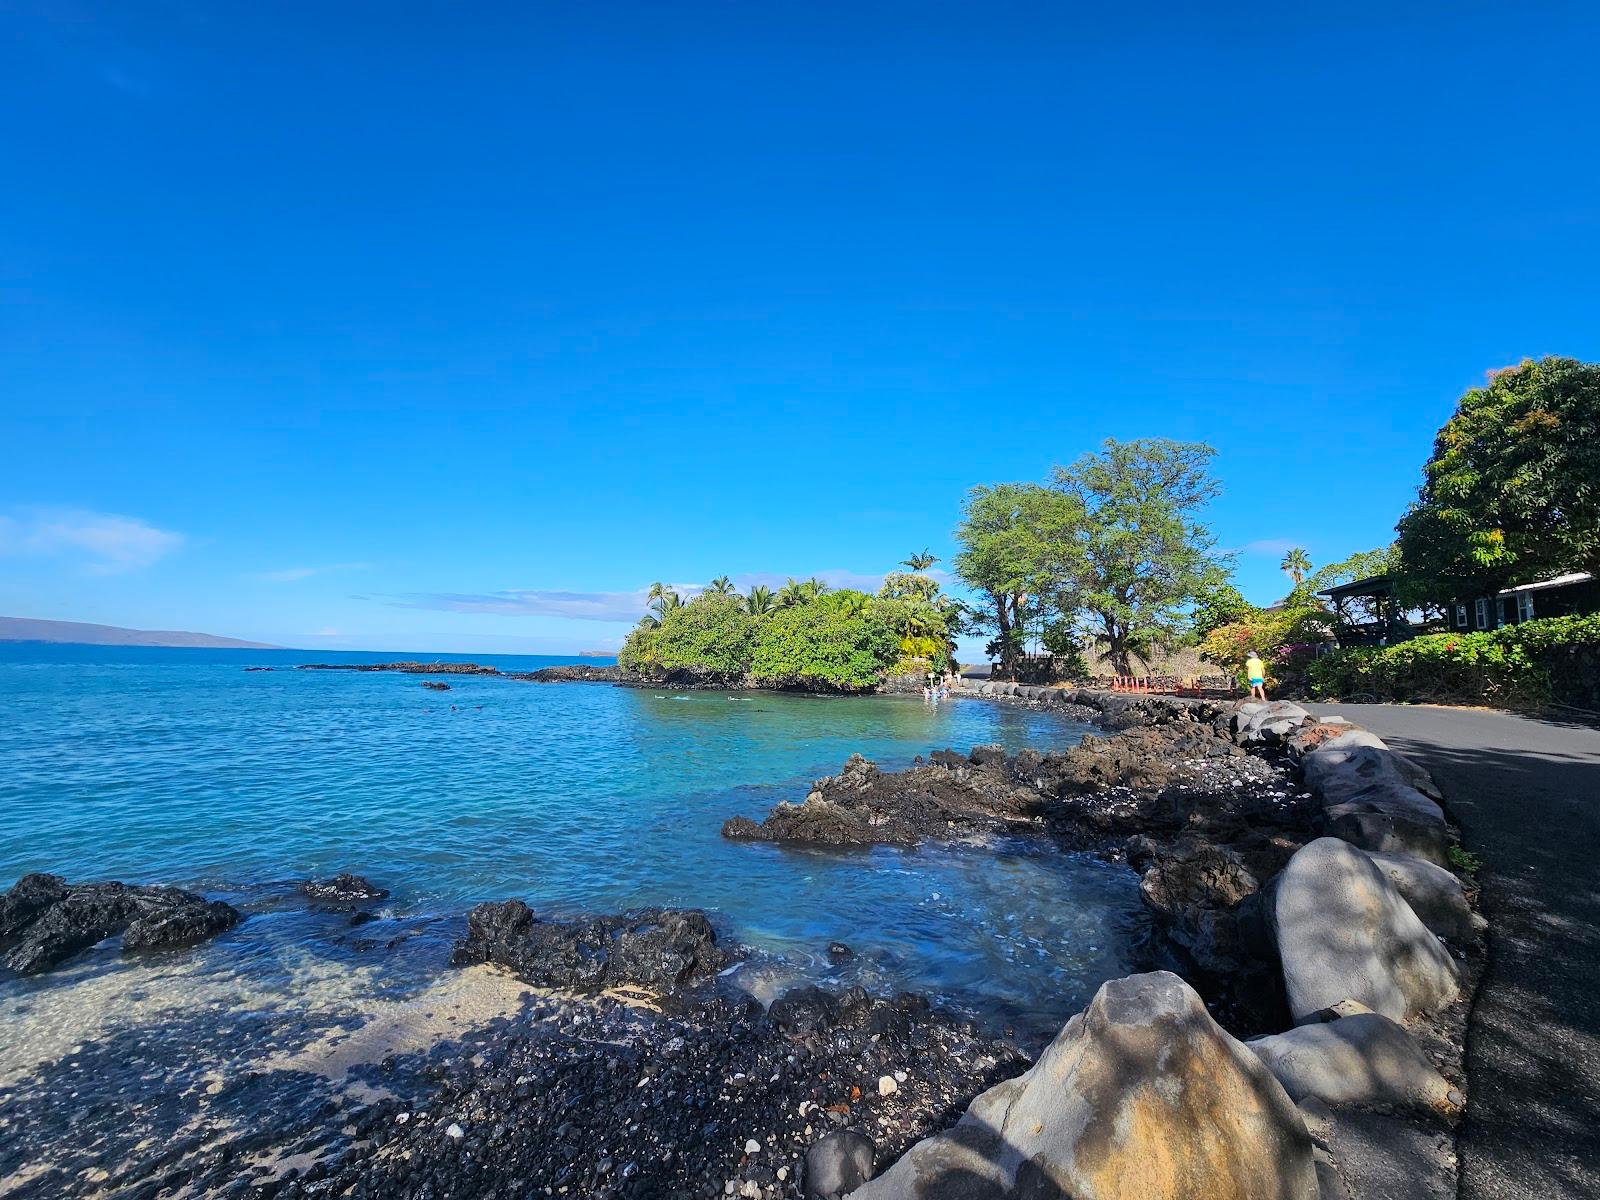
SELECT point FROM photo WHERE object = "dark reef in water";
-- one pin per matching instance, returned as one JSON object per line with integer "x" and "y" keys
{"x": 342, "y": 889}
{"x": 44, "y": 920}
{"x": 406, "y": 668}
{"x": 660, "y": 949}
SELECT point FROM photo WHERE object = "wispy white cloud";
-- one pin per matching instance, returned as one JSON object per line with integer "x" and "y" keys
{"x": 578, "y": 606}
{"x": 1268, "y": 547}
{"x": 295, "y": 574}
{"x": 107, "y": 543}
{"x": 612, "y": 606}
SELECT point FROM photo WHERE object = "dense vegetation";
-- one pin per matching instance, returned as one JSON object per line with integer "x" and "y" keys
{"x": 1110, "y": 553}
{"x": 1518, "y": 666}
{"x": 803, "y": 636}
{"x": 1512, "y": 491}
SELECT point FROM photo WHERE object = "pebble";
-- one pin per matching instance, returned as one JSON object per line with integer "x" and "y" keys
{"x": 455, "y": 1131}
{"x": 752, "y": 1147}
{"x": 887, "y": 1085}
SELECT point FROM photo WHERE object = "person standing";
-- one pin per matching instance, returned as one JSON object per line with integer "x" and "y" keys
{"x": 1256, "y": 672}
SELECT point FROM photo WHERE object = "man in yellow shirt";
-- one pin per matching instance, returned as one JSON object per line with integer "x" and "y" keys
{"x": 1256, "y": 672}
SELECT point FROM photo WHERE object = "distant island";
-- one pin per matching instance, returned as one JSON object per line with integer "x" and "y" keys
{"x": 26, "y": 629}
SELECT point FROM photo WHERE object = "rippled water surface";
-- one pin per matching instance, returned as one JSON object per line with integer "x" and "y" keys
{"x": 182, "y": 767}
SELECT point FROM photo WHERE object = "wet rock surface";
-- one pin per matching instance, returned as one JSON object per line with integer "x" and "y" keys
{"x": 575, "y": 673}
{"x": 662, "y": 950}
{"x": 406, "y": 668}
{"x": 1181, "y": 776}
{"x": 343, "y": 888}
{"x": 45, "y": 921}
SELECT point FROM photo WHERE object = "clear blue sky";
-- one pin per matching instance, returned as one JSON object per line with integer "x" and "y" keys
{"x": 445, "y": 326}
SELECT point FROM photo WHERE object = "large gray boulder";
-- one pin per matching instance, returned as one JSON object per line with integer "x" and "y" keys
{"x": 1348, "y": 763}
{"x": 1142, "y": 1096}
{"x": 1344, "y": 930}
{"x": 1362, "y": 1059}
{"x": 1271, "y": 723}
{"x": 1390, "y": 817}
{"x": 1434, "y": 894}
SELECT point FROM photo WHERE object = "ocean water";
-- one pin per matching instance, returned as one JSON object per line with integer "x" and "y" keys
{"x": 180, "y": 766}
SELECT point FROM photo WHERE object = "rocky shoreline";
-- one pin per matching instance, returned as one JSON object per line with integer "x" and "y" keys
{"x": 1295, "y": 869}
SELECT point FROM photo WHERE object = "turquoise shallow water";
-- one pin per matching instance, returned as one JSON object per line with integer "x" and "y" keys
{"x": 180, "y": 766}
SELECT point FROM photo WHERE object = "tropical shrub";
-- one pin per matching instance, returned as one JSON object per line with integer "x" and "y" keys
{"x": 1286, "y": 638}
{"x": 711, "y": 633}
{"x": 835, "y": 642}
{"x": 1518, "y": 666}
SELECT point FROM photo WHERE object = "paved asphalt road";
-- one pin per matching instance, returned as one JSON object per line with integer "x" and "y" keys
{"x": 1526, "y": 794}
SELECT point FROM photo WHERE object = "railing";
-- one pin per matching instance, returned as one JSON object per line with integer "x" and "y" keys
{"x": 1169, "y": 685}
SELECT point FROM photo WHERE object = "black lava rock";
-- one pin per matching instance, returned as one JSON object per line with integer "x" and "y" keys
{"x": 44, "y": 921}
{"x": 837, "y": 1164}
{"x": 660, "y": 949}
{"x": 342, "y": 889}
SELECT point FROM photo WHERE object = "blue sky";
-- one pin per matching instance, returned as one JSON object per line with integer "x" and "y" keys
{"x": 451, "y": 327}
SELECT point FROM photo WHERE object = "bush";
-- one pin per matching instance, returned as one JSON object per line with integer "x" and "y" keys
{"x": 833, "y": 643}
{"x": 710, "y": 633}
{"x": 1286, "y": 638}
{"x": 1518, "y": 666}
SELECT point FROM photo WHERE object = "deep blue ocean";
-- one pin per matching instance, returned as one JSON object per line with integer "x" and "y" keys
{"x": 183, "y": 767}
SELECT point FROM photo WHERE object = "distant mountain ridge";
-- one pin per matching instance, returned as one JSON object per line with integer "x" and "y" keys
{"x": 27, "y": 629}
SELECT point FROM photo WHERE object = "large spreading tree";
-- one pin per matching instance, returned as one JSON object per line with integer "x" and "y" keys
{"x": 1014, "y": 540}
{"x": 1142, "y": 557}
{"x": 1113, "y": 546}
{"x": 1512, "y": 492}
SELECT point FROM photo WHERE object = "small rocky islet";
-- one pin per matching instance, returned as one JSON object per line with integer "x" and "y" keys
{"x": 636, "y": 1070}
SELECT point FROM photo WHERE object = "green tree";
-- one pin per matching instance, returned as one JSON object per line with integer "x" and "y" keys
{"x": 898, "y": 583}
{"x": 1512, "y": 491}
{"x": 1141, "y": 556}
{"x": 919, "y": 562}
{"x": 1015, "y": 540}
{"x": 835, "y": 642}
{"x": 721, "y": 586}
{"x": 760, "y": 601}
{"x": 1219, "y": 603}
{"x": 1297, "y": 565}
{"x": 712, "y": 632}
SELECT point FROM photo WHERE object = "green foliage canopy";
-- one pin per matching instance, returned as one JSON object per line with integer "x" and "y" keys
{"x": 836, "y": 641}
{"x": 1141, "y": 557}
{"x": 1512, "y": 491}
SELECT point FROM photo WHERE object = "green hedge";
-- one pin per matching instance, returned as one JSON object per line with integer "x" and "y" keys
{"x": 822, "y": 645}
{"x": 1519, "y": 666}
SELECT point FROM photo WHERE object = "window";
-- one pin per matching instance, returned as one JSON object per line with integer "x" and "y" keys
{"x": 1461, "y": 616}
{"x": 1481, "y": 611}
{"x": 1524, "y": 607}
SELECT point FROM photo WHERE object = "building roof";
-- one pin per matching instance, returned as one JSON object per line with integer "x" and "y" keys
{"x": 1373, "y": 585}
{"x": 1569, "y": 578}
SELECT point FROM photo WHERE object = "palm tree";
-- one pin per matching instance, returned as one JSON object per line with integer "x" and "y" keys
{"x": 721, "y": 586}
{"x": 664, "y": 601}
{"x": 812, "y": 588}
{"x": 851, "y": 605}
{"x": 919, "y": 562}
{"x": 791, "y": 593}
{"x": 760, "y": 601}
{"x": 1298, "y": 564}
